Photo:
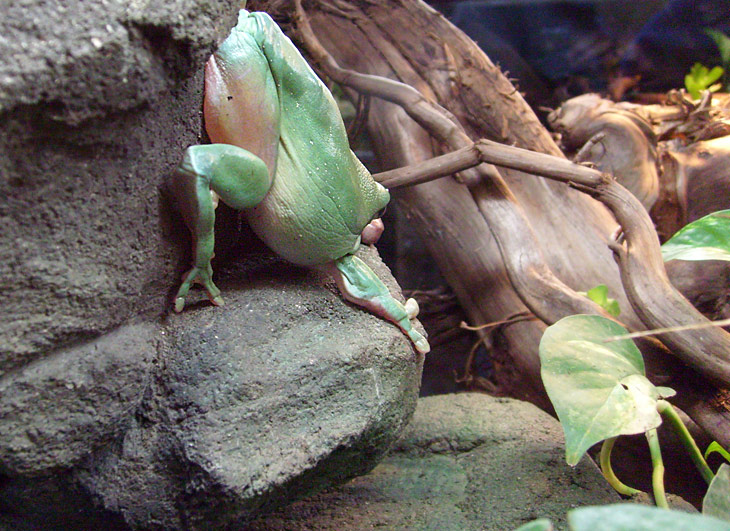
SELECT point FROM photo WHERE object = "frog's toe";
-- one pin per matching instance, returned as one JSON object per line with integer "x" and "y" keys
{"x": 421, "y": 344}
{"x": 412, "y": 308}
{"x": 372, "y": 232}
{"x": 198, "y": 275}
{"x": 214, "y": 294}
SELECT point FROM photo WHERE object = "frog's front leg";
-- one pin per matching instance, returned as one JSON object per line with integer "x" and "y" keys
{"x": 236, "y": 176}
{"x": 360, "y": 285}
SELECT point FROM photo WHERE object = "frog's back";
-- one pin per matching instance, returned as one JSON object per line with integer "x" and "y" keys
{"x": 322, "y": 197}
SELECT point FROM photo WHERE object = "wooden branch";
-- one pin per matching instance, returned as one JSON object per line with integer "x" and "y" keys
{"x": 655, "y": 300}
{"x": 431, "y": 169}
{"x": 431, "y": 116}
{"x": 614, "y": 138}
{"x": 497, "y": 154}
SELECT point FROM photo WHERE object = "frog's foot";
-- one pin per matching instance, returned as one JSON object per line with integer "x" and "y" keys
{"x": 206, "y": 174}
{"x": 361, "y": 286}
{"x": 199, "y": 275}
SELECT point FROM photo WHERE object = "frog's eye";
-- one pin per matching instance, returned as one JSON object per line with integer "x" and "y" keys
{"x": 380, "y": 213}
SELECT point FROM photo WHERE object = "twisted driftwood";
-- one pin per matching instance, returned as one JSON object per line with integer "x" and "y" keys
{"x": 567, "y": 233}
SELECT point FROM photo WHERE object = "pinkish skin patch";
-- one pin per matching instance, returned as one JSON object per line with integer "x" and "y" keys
{"x": 372, "y": 232}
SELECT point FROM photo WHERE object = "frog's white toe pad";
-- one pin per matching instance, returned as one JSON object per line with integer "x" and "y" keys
{"x": 412, "y": 308}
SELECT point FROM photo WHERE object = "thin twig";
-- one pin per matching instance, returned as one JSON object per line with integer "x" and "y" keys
{"x": 657, "y": 331}
{"x": 361, "y": 117}
{"x": 485, "y": 338}
{"x": 518, "y": 317}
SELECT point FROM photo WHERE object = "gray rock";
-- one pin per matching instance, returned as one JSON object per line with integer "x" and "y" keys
{"x": 88, "y": 59}
{"x": 114, "y": 413}
{"x": 466, "y": 462}
{"x": 283, "y": 391}
{"x": 88, "y": 240}
{"x": 54, "y": 413}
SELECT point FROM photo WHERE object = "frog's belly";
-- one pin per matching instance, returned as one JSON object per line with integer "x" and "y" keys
{"x": 301, "y": 220}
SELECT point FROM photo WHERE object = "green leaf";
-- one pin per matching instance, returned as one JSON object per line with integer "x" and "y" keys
{"x": 715, "y": 447}
{"x": 599, "y": 295}
{"x": 701, "y": 78}
{"x": 541, "y": 524}
{"x": 717, "y": 499}
{"x": 722, "y": 42}
{"x": 707, "y": 238}
{"x": 632, "y": 517}
{"x": 598, "y": 388}
{"x": 713, "y": 75}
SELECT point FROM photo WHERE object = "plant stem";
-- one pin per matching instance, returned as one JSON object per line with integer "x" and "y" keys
{"x": 667, "y": 411}
{"x": 607, "y": 471}
{"x": 657, "y": 475}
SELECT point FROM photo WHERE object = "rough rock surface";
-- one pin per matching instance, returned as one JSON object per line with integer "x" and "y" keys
{"x": 282, "y": 392}
{"x": 113, "y": 413}
{"x": 55, "y": 411}
{"x": 98, "y": 100}
{"x": 82, "y": 59}
{"x": 466, "y": 462}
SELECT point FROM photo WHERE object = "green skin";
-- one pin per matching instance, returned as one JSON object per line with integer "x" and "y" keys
{"x": 280, "y": 154}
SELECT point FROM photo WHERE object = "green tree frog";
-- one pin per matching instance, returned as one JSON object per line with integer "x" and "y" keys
{"x": 280, "y": 154}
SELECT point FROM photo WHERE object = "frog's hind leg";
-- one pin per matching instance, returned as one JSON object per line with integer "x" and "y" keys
{"x": 208, "y": 172}
{"x": 360, "y": 285}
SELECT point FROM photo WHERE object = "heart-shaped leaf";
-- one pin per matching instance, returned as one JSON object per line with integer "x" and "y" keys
{"x": 632, "y": 517}
{"x": 598, "y": 388}
{"x": 717, "y": 499}
{"x": 707, "y": 238}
